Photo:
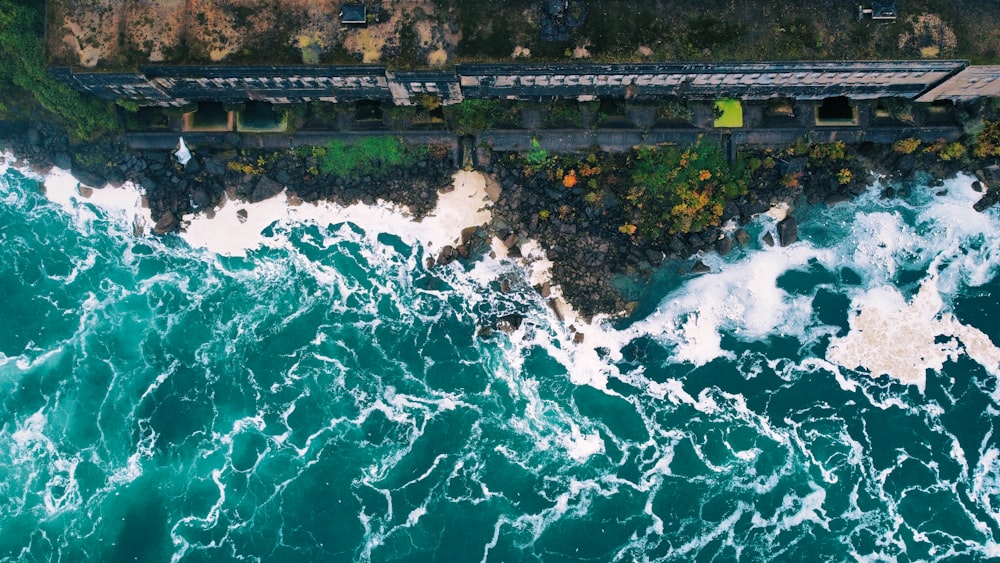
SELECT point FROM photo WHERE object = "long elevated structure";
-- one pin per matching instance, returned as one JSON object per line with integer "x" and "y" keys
{"x": 180, "y": 85}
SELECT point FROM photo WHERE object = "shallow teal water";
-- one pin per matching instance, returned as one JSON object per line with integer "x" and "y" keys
{"x": 327, "y": 400}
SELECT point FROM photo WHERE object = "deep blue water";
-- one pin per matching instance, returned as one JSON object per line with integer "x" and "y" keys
{"x": 327, "y": 399}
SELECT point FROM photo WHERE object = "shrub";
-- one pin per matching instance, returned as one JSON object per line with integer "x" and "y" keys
{"x": 952, "y": 151}
{"x": 828, "y": 152}
{"x": 790, "y": 180}
{"x": 683, "y": 190}
{"x": 988, "y": 140}
{"x": 906, "y": 146}
{"x": 537, "y": 155}
{"x": 21, "y": 64}
{"x": 844, "y": 176}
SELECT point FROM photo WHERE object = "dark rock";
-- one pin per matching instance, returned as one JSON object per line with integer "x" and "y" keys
{"x": 468, "y": 234}
{"x": 677, "y": 246}
{"x": 62, "y": 160}
{"x": 989, "y": 199}
{"x": 199, "y": 198}
{"x": 89, "y": 178}
{"x": 905, "y": 165}
{"x": 193, "y": 167}
{"x": 654, "y": 256}
{"x": 768, "y": 239}
{"x": 795, "y": 165}
{"x": 116, "y": 176}
{"x": 241, "y": 215}
{"x": 788, "y": 230}
{"x": 724, "y": 246}
{"x": 283, "y": 177}
{"x": 700, "y": 268}
{"x": 215, "y": 167}
{"x": 977, "y": 186}
{"x": 834, "y": 199}
{"x": 545, "y": 289}
{"x": 265, "y": 188}
{"x": 166, "y": 223}
{"x": 742, "y": 236}
{"x": 447, "y": 255}
{"x": 510, "y": 323}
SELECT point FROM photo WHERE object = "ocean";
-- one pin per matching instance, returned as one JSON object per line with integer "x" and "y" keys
{"x": 315, "y": 393}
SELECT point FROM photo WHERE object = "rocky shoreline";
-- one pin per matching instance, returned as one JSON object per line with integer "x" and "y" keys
{"x": 581, "y": 237}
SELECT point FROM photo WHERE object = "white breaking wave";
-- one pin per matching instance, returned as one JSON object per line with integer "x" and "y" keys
{"x": 237, "y": 227}
{"x": 889, "y": 334}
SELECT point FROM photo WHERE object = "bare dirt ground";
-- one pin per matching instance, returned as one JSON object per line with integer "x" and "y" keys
{"x": 113, "y": 34}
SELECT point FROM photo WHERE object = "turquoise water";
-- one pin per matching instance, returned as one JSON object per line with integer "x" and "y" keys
{"x": 326, "y": 399}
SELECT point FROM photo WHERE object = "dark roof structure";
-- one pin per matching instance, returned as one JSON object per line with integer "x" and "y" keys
{"x": 884, "y": 10}
{"x": 353, "y": 14}
{"x": 558, "y": 17}
{"x": 806, "y": 80}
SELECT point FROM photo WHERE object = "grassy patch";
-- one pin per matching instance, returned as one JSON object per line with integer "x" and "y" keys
{"x": 371, "y": 155}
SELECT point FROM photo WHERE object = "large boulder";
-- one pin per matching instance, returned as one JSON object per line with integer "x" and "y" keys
{"x": 989, "y": 199}
{"x": 788, "y": 231}
{"x": 265, "y": 188}
{"x": 167, "y": 222}
{"x": 724, "y": 246}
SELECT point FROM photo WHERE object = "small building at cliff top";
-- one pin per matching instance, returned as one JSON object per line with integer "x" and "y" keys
{"x": 353, "y": 14}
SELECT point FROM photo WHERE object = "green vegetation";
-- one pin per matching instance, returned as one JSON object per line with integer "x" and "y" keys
{"x": 682, "y": 190}
{"x": 952, "y": 151}
{"x": 371, "y": 155}
{"x": 906, "y": 146}
{"x": 472, "y": 116}
{"x": 24, "y": 78}
{"x": 988, "y": 140}
{"x": 824, "y": 153}
{"x": 674, "y": 110}
{"x": 537, "y": 155}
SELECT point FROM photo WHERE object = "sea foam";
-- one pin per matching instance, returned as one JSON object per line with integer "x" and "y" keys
{"x": 237, "y": 227}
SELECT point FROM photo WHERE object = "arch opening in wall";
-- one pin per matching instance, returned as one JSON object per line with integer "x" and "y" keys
{"x": 780, "y": 112}
{"x": 368, "y": 111}
{"x": 941, "y": 112}
{"x": 261, "y": 117}
{"x": 209, "y": 117}
{"x": 836, "y": 111}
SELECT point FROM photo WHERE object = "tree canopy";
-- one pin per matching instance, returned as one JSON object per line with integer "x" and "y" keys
{"x": 24, "y": 78}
